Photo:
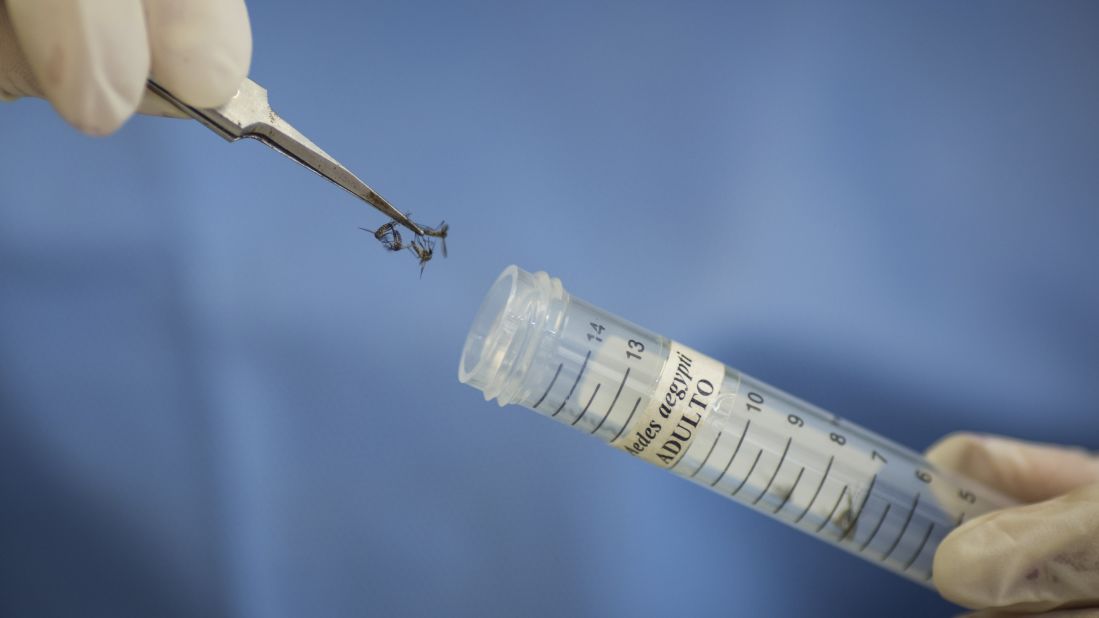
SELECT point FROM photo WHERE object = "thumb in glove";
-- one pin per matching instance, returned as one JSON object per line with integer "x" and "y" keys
{"x": 1031, "y": 558}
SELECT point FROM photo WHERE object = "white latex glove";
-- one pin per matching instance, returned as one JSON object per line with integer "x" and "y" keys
{"x": 1032, "y": 558}
{"x": 91, "y": 58}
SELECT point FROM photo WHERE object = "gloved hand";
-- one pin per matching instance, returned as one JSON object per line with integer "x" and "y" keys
{"x": 1032, "y": 558}
{"x": 91, "y": 58}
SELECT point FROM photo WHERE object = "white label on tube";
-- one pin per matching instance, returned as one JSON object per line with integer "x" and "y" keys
{"x": 663, "y": 431}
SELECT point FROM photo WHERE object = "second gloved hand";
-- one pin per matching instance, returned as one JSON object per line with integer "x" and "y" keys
{"x": 1032, "y": 558}
{"x": 91, "y": 58}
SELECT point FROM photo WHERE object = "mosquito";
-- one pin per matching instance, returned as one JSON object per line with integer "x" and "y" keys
{"x": 388, "y": 235}
{"x": 424, "y": 248}
{"x": 440, "y": 233}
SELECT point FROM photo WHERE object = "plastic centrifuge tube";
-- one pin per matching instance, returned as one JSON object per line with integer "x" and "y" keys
{"x": 535, "y": 345}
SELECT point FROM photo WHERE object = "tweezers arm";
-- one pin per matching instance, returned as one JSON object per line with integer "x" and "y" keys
{"x": 279, "y": 135}
{"x": 248, "y": 114}
{"x": 228, "y": 121}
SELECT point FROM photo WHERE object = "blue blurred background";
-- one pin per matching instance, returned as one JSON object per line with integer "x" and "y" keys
{"x": 218, "y": 397}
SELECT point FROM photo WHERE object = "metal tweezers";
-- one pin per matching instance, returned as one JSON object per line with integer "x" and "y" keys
{"x": 248, "y": 114}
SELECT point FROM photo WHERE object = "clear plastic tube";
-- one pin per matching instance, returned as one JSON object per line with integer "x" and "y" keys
{"x": 533, "y": 344}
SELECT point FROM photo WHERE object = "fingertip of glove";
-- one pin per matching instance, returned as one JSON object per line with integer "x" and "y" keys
{"x": 91, "y": 62}
{"x": 204, "y": 75}
{"x": 1028, "y": 471}
{"x": 962, "y": 451}
{"x": 94, "y": 106}
{"x": 202, "y": 52}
